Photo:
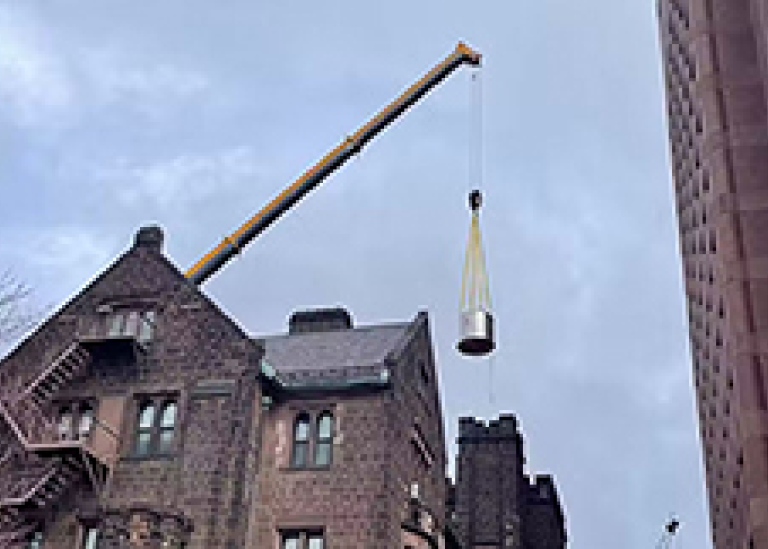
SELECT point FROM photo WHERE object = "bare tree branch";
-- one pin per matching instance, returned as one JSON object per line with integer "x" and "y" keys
{"x": 16, "y": 312}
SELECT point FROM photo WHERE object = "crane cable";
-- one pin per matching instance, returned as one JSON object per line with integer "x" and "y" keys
{"x": 475, "y": 288}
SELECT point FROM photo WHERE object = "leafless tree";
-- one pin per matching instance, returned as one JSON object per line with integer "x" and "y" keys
{"x": 17, "y": 314}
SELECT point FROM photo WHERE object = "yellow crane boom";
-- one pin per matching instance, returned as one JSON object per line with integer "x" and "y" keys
{"x": 234, "y": 244}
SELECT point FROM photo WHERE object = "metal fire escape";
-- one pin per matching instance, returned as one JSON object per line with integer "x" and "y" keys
{"x": 41, "y": 464}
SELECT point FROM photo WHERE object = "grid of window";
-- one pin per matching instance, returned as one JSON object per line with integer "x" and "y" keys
{"x": 312, "y": 440}
{"x": 76, "y": 420}
{"x": 156, "y": 427}
{"x": 138, "y": 324}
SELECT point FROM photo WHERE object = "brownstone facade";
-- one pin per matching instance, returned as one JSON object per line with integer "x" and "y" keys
{"x": 716, "y": 70}
{"x": 497, "y": 506}
{"x": 191, "y": 355}
{"x": 141, "y": 416}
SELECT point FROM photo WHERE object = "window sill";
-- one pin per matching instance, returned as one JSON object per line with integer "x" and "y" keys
{"x": 150, "y": 457}
{"x": 306, "y": 468}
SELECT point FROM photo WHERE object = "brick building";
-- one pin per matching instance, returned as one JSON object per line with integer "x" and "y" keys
{"x": 716, "y": 70}
{"x": 496, "y": 504}
{"x": 141, "y": 415}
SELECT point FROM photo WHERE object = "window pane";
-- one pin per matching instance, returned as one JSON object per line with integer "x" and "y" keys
{"x": 116, "y": 326}
{"x": 168, "y": 419}
{"x": 302, "y": 430}
{"x": 300, "y": 454}
{"x": 142, "y": 443}
{"x": 325, "y": 427}
{"x": 166, "y": 440}
{"x": 147, "y": 417}
{"x": 91, "y": 540}
{"x": 316, "y": 542}
{"x": 65, "y": 425}
{"x": 291, "y": 542}
{"x": 323, "y": 453}
{"x": 147, "y": 327}
{"x": 86, "y": 422}
{"x": 132, "y": 324}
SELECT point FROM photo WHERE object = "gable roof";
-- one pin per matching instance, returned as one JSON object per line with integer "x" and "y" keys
{"x": 335, "y": 355}
{"x": 147, "y": 246}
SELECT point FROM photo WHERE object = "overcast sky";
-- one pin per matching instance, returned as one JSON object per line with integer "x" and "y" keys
{"x": 192, "y": 115}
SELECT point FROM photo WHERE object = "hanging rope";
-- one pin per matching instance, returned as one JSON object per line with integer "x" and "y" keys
{"x": 475, "y": 292}
{"x": 476, "y": 130}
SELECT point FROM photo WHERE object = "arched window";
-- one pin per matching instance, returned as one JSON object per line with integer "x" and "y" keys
{"x": 64, "y": 427}
{"x": 167, "y": 427}
{"x": 324, "y": 441}
{"x": 301, "y": 441}
{"x": 86, "y": 423}
{"x": 144, "y": 432}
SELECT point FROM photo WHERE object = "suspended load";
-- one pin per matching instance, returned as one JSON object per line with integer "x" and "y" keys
{"x": 476, "y": 337}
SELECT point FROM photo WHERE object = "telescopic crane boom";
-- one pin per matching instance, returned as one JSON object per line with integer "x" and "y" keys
{"x": 234, "y": 244}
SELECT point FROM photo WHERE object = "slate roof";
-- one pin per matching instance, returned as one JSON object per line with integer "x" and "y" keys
{"x": 337, "y": 354}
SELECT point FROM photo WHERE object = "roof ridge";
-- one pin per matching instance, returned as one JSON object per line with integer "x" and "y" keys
{"x": 364, "y": 328}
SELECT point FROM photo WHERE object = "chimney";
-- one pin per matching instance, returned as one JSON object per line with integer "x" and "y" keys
{"x": 319, "y": 320}
{"x": 149, "y": 237}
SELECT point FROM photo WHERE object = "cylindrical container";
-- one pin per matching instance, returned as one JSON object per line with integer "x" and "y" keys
{"x": 476, "y": 333}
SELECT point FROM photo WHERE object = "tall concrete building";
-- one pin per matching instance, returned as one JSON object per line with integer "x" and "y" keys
{"x": 715, "y": 57}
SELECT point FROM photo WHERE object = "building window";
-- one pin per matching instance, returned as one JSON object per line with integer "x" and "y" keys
{"x": 36, "y": 540}
{"x": 64, "y": 426}
{"x": 301, "y": 441}
{"x": 144, "y": 433}
{"x": 138, "y": 324}
{"x": 167, "y": 427}
{"x": 85, "y": 424}
{"x": 298, "y": 539}
{"x": 313, "y": 440}
{"x": 324, "y": 446}
{"x": 91, "y": 538}
{"x": 156, "y": 431}
{"x": 76, "y": 421}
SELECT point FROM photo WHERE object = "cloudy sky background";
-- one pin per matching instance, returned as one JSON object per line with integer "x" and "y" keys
{"x": 115, "y": 114}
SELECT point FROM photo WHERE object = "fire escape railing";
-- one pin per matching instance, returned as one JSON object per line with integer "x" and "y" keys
{"x": 29, "y": 413}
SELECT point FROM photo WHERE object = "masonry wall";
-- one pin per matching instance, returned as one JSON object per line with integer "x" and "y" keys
{"x": 490, "y": 488}
{"x": 347, "y": 500}
{"x": 418, "y": 441}
{"x": 199, "y": 358}
{"x": 363, "y": 498}
{"x": 543, "y": 521}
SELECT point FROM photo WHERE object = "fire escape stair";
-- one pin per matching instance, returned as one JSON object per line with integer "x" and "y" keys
{"x": 65, "y": 460}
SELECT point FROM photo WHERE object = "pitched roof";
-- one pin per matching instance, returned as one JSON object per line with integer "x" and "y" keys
{"x": 336, "y": 354}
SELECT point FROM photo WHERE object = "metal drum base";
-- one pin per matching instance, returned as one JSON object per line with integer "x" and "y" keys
{"x": 475, "y": 346}
{"x": 477, "y": 333}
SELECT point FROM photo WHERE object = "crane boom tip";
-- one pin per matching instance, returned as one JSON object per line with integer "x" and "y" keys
{"x": 473, "y": 57}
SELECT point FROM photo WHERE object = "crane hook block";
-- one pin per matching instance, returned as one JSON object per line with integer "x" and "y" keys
{"x": 475, "y": 200}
